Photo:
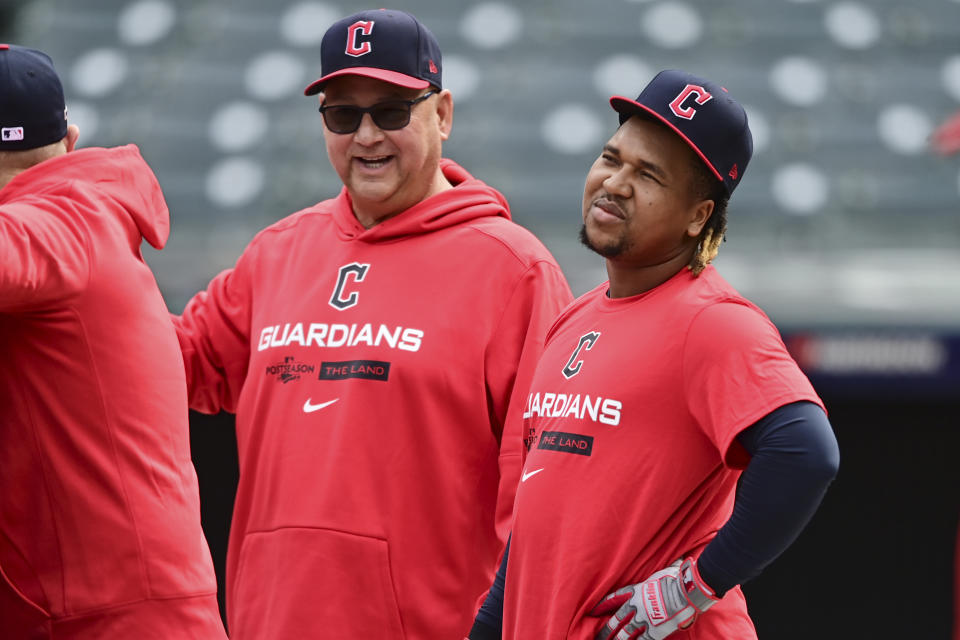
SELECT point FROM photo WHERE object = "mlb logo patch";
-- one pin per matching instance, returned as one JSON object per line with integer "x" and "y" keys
{"x": 10, "y": 134}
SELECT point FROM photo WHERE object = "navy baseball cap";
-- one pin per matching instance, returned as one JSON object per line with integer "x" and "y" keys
{"x": 32, "y": 109}
{"x": 702, "y": 113}
{"x": 392, "y": 46}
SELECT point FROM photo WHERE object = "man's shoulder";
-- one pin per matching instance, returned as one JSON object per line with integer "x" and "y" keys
{"x": 580, "y": 313}
{"x": 713, "y": 290}
{"x": 293, "y": 227}
{"x": 717, "y": 308}
{"x": 689, "y": 294}
{"x": 501, "y": 234}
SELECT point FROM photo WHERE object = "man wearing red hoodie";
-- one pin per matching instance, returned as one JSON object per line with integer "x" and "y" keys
{"x": 99, "y": 509}
{"x": 376, "y": 348}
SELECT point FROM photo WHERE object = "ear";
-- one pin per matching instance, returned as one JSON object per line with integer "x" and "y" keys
{"x": 699, "y": 216}
{"x": 445, "y": 113}
{"x": 70, "y": 140}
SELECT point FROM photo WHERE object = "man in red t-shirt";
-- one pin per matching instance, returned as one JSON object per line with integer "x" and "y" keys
{"x": 656, "y": 392}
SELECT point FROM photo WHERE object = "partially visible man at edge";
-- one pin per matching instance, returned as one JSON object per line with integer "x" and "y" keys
{"x": 376, "y": 349}
{"x": 99, "y": 510}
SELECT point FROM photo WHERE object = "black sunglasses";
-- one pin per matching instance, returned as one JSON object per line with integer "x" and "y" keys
{"x": 389, "y": 116}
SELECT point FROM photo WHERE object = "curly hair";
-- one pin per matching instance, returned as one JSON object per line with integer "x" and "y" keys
{"x": 705, "y": 186}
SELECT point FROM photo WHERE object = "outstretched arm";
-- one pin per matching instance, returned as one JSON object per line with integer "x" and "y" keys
{"x": 511, "y": 358}
{"x": 214, "y": 335}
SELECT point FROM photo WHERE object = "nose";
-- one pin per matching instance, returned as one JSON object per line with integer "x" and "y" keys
{"x": 618, "y": 183}
{"x": 368, "y": 133}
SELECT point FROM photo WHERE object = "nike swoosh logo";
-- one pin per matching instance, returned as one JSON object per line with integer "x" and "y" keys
{"x": 530, "y": 474}
{"x": 310, "y": 408}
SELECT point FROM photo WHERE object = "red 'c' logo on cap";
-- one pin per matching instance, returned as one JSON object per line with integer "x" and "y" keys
{"x": 687, "y": 113}
{"x": 361, "y": 27}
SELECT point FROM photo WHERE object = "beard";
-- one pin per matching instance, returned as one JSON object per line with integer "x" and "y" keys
{"x": 610, "y": 250}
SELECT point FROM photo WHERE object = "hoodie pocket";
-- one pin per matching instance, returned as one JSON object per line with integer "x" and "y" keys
{"x": 313, "y": 583}
{"x": 21, "y": 617}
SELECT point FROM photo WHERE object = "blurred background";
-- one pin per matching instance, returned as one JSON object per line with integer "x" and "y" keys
{"x": 846, "y": 228}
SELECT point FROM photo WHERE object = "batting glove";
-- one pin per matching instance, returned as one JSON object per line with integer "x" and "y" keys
{"x": 653, "y": 609}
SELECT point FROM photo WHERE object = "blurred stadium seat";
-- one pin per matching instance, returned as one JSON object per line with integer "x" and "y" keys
{"x": 845, "y": 216}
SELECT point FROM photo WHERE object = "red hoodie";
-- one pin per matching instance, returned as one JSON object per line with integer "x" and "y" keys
{"x": 372, "y": 372}
{"x": 99, "y": 509}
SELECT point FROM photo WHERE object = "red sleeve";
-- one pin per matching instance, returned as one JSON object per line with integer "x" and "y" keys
{"x": 214, "y": 334}
{"x": 736, "y": 370}
{"x": 510, "y": 361}
{"x": 44, "y": 254}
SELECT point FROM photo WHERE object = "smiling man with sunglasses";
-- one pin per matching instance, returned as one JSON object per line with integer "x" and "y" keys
{"x": 376, "y": 348}
{"x": 387, "y": 153}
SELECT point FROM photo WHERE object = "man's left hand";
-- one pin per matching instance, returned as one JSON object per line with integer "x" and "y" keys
{"x": 668, "y": 600}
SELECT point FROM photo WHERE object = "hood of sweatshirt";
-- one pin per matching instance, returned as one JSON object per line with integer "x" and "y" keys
{"x": 469, "y": 199}
{"x": 119, "y": 174}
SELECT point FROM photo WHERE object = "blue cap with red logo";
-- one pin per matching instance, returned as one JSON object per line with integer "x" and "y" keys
{"x": 32, "y": 109}
{"x": 392, "y": 46}
{"x": 703, "y": 114}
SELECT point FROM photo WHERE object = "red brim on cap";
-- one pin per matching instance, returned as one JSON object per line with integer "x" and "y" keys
{"x": 626, "y": 105}
{"x": 400, "y": 79}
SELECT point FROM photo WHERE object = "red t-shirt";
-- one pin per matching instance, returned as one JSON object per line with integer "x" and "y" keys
{"x": 631, "y": 422}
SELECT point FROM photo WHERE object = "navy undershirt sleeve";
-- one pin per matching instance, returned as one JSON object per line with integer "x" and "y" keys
{"x": 794, "y": 457}
{"x": 488, "y": 624}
